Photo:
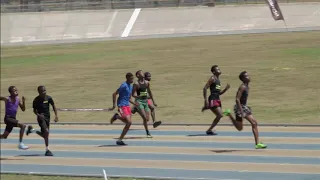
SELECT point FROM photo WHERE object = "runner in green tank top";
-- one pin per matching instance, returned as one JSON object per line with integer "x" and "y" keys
{"x": 151, "y": 102}
{"x": 140, "y": 93}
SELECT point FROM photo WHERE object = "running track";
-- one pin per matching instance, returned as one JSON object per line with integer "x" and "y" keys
{"x": 176, "y": 153}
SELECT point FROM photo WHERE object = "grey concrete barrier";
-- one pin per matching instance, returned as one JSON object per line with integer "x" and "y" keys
{"x": 103, "y": 24}
{"x": 69, "y": 5}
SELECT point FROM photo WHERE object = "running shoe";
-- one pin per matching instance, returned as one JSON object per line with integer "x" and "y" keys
{"x": 29, "y": 130}
{"x": 227, "y": 112}
{"x": 156, "y": 124}
{"x": 48, "y": 153}
{"x": 114, "y": 118}
{"x": 261, "y": 146}
{"x": 121, "y": 143}
{"x": 22, "y": 146}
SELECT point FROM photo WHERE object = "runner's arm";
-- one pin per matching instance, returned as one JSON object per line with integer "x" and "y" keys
{"x": 208, "y": 84}
{"x": 36, "y": 112}
{"x": 3, "y": 99}
{"x": 114, "y": 97}
{"x": 150, "y": 93}
{"x": 53, "y": 106}
{"x": 23, "y": 104}
{"x": 130, "y": 100}
{"x": 134, "y": 91}
{"x": 225, "y": 89}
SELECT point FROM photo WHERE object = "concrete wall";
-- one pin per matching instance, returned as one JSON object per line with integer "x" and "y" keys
{"x": 104, "y": 24}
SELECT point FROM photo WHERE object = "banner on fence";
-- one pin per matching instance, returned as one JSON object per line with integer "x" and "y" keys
{"x": 275, "y": 10}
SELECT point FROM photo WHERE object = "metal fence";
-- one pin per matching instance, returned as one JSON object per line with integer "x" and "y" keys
{"x": 9, "y": 6}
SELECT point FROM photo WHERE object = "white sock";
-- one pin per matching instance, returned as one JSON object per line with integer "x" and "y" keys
{"x": 47, "y": 148}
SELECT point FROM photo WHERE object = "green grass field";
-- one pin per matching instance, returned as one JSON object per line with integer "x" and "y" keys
{"x": 36, "y": 177}
{"x": 284, "y": 68}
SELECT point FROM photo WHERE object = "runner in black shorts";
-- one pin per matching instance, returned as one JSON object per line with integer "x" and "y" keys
{"x": 41, "y": 108}
{"x": 241, "y": 109}
{"x": 213, "y": 102}
{"x": 12, "y": 103}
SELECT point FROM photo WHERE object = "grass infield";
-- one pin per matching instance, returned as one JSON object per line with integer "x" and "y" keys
{"x": 284, "y": 68}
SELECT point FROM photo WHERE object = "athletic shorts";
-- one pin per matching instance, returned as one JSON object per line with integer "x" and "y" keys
{"x": 214, "y": 103}
{"x": 150, "y": 102}
{"x": 246, "y": 110}
{"x": 124, "y": 111}
{"x": 10, "y": 122}
{"x": 44, "y": 123}
{"x": 143, "y": 105}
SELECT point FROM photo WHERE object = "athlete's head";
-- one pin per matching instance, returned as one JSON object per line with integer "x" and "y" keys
{"x": 215, "y": 70}
{"x": 147, "y": 76}
{"x": 42, "y": 91}
{"x": 139, "y": 74}
{"x": 244, "y": 77}
{"x": 129, "y": 77}
{"x": 13, "y": 91}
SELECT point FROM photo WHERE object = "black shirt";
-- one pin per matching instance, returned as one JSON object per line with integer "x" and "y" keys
{"x": 215, "y": 89}
{"x": 244, "y": 96}
{"x": 142, "y": 90}
{"x": 42, "y": 105}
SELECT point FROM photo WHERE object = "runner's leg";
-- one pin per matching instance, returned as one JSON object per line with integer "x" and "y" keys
{"x": 145, "y": 114}
{"x": 254, "y": 125}
{"x": 237, "y": 122}
{"x": 125, "y": 117}
{"x": 44, "y": 125}
{"x": 218, "y": 112}
{"x": 7, "y": 131}
{"x": 153, "y": 114}
{"x": 10, "y": 124}
{"x": 215, "y": 107}
{"x": 152, "y": 109}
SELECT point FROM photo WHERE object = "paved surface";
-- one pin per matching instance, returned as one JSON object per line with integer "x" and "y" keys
{"x": 182, "y": 152}
{"x": 82, "y": 26}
